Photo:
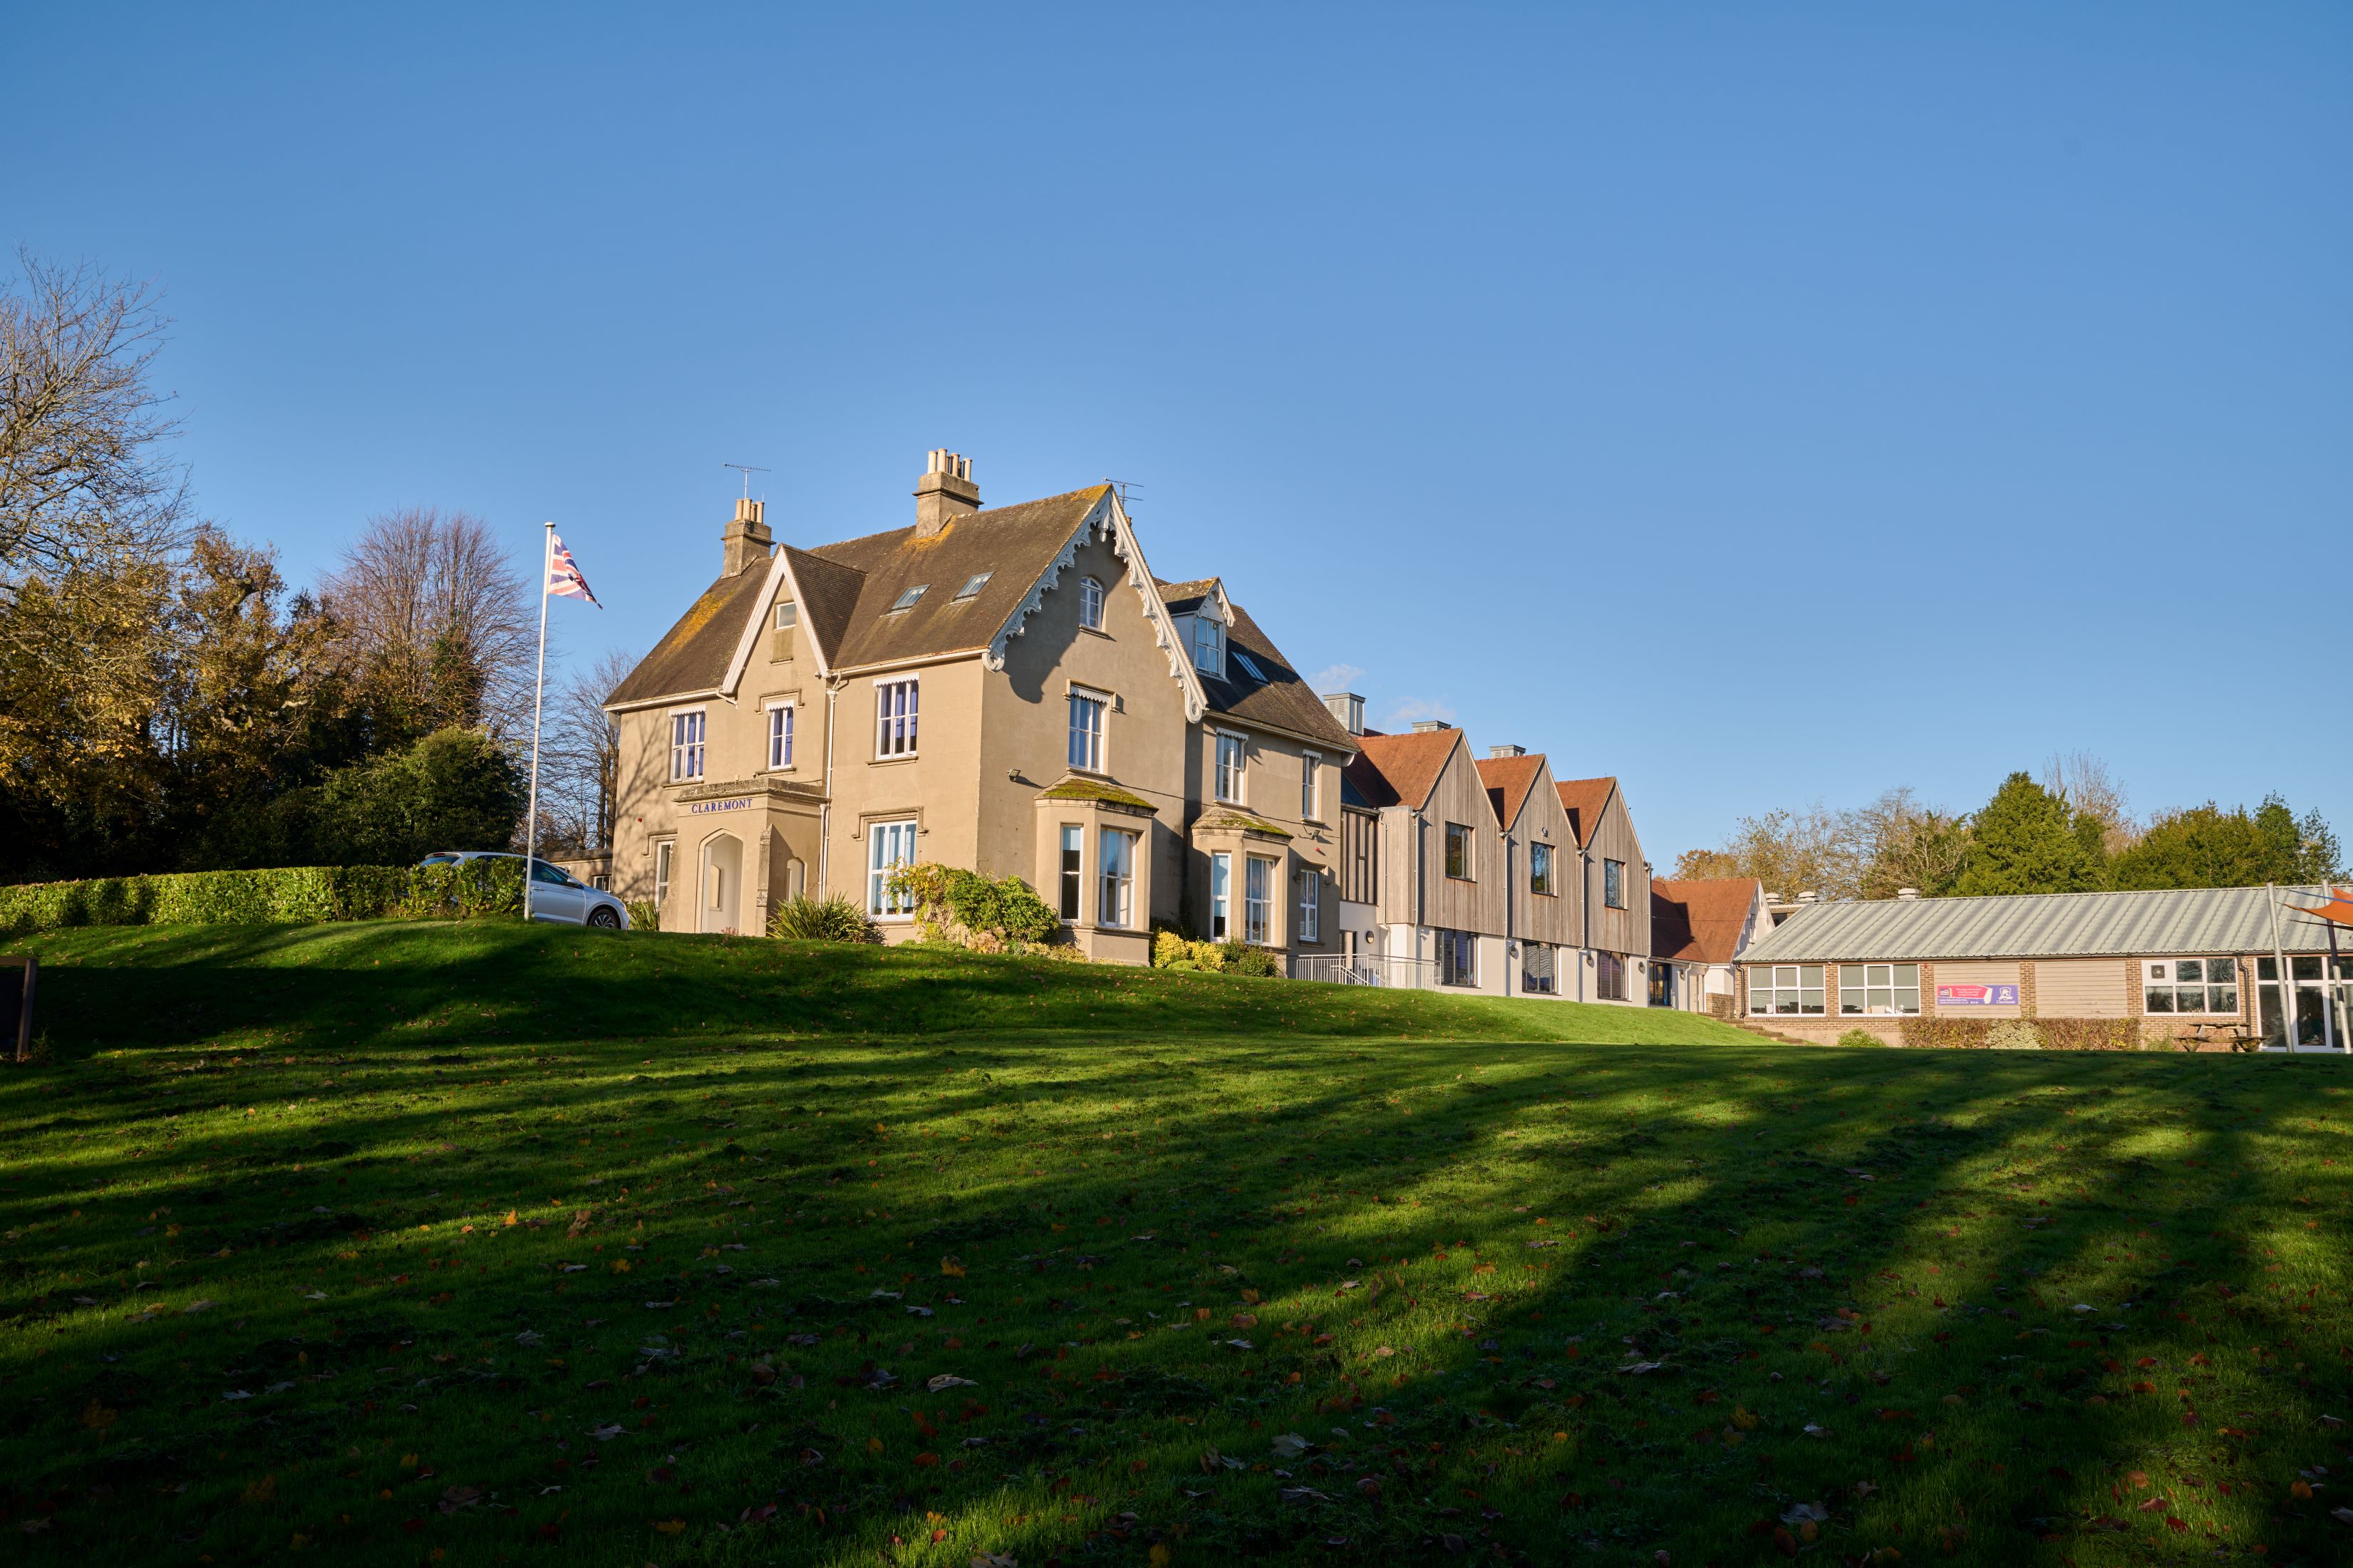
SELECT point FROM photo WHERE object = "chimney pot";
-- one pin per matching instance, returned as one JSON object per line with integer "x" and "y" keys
{"x": 1348, "y": 708}
{"x": 944, "y": 493}
{"x": 746, "y": 539}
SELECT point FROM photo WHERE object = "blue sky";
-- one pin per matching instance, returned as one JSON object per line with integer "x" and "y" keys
{"x": 1763, "y": 404}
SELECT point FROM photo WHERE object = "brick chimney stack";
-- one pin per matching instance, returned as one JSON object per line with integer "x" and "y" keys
{"x": 746, "y": 539}
{"x": 944, "y": 493}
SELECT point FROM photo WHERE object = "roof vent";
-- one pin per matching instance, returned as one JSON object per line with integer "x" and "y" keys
{"x": 1495, "y": 751}
{"x": 1429, "y": 726}
{"x": 1809, "y": 898}
{"x": 1907, "y": 894}
{"x": 944, "y": 493}
{"x": 1348, "y": 708}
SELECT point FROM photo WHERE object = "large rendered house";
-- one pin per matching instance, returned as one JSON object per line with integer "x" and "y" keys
{"x": 1010, "y": 690}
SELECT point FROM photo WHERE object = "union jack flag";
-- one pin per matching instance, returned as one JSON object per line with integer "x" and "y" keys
{"x": 564, "y": 578}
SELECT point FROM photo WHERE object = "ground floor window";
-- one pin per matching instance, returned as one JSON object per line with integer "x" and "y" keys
{"x": 1073, "y": 837}
{"x": 1258, "y": 899}
{"x": 1539, "y": 972}
{"x": 662, "y": 854}
{"x": 1610, "y": 976}
{"x": 1118, "y": 879}
{"x": 1311, "y": 905}
{"x": 2191, "y": 985}
{"x": 891, "y": 846}
{"x": 1458, "y": 958}
{"x": 1221, "y": 894}
{"x": 1662, "y": 985}
{"x": 1788, "y": 988}
{"x": 2323, "y": 1005}
{"x": 1878, "y": 988}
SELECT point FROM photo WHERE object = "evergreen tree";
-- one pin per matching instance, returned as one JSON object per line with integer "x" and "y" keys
{"x": 2026, "y": 841}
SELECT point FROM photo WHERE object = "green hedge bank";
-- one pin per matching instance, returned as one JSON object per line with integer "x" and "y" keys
{"x": 291, "y": 895}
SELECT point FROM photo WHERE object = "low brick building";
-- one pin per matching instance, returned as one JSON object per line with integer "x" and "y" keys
{"x": 2198, "y": 967}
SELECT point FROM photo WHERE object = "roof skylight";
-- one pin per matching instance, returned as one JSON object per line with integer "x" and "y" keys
{"x": 1246, "y": 663}
{"x": 906, "y": 601}
{"x": 974, "y": 584}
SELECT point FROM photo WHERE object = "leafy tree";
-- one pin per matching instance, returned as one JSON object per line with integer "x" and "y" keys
{"x": 454, "y": 789}
{"x": 2026, "y": 841}
{"x": 2206, "y": 847}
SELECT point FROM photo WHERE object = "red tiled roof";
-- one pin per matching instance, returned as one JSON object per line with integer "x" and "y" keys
{"x": 1583, "y": 800}
{"x": 1508, "y": 782}
{"x": 1405, "y": 768}
{"x": 1700, "y": 921}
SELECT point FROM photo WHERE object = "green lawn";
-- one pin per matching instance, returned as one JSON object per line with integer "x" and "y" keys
{"x": 469, "y": 1245}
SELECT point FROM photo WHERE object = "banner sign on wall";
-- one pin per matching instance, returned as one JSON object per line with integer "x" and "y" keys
{"x": 1977, "y": 996}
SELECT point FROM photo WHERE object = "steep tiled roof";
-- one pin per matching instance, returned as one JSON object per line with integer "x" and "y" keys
{"x": 693, "y": 655}
{"x": 1402, "y": 768}
{"x": 1583, "y": 800}
{"x": 1700, "y": 921}
{"x": 846, "y": 591}
{"x": 1282, "y": 701}
{"x": 1508, "y": 782}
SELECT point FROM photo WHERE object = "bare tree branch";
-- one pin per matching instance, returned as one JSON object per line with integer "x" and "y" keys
{"x": 84, "y": 487}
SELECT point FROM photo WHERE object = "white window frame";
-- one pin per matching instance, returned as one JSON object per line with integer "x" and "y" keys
{"x": 1210, "y": 646}
{"x": 1786, "y": 990}
{"x": 972, "y": 586}
{"x": 1090, "y": 731}
{"x": 1115, "y": 879}
{"x": 2163, "y": 976}
{"x": 1310, "y": 787}
{"x": 1250, "y": 665}
{"x": 1232, "y": 784}
{"x": 1258, "y": 900}
{"x": 787, "y": 616}
{"x": 898, "y": 701}
{"x": 780, "y": 734}
{"x": 1221, "y": 895}
{"x": 1547, "y": 885}
{"x": 665, "y": 858}
{"x": 690, "y": 729}
{"x": 1861, "y": 987}
{"x": 1613, "y": 884}
{"x": 1090, "y": 603}
{"x": 889, "y": 845}
{"x": 1311, "y": 903}
{"x": 1071, "y": 872}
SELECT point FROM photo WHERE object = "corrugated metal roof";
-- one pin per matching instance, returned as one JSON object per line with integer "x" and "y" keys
{"x": 2048, "y": 925}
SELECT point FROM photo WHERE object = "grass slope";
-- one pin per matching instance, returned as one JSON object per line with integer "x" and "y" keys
{"x": 409, "y": 1243}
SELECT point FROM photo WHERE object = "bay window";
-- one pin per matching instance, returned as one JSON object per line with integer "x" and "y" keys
{"x": 1258, "y": 900}
{"x": 1118, "y": 876}
{"x": 1221, "y": 879}
{"x": 1073, "y": 837}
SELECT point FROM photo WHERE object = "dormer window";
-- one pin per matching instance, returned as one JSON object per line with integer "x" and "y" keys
{"x": 972, "y": 586}
{"x": 788, "y": 614}
{"x": 906, "y": 601}
{"x": 1090, "y": 603}
{"x": 1209, "y": 646}
{"x": 1249, "y": 666}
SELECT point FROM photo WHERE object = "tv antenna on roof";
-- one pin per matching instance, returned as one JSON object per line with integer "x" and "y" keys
{"x": 747, "y": 470}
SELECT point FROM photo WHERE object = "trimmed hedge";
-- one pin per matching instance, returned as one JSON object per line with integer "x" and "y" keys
{"x": 2045, "y": 1034}
{"x": 292, "y": 895}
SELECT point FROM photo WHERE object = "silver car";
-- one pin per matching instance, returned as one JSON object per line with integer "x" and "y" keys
{"x": 556, "y": 895}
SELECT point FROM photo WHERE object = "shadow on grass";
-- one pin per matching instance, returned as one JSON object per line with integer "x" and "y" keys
{"x": 1503, "y": 1422}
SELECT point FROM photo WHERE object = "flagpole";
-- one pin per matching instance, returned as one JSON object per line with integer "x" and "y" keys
{"x": 538, "y": 695}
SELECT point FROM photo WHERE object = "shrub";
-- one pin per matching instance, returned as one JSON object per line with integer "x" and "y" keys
{"x": 644, "y": 915}
{"x": 1861, "y": 1038}
{"x": 2014, "y": 1034}
{"x": 833, "y": 919}
{"x": 1259, "y": 962}
{"x": 300, "y": 895}
{"x": 2091, "y": 1034}
{"x": 967, "y": 908}
{"x": 1944, "y": 1033}
{"x": 454, "y": 789}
